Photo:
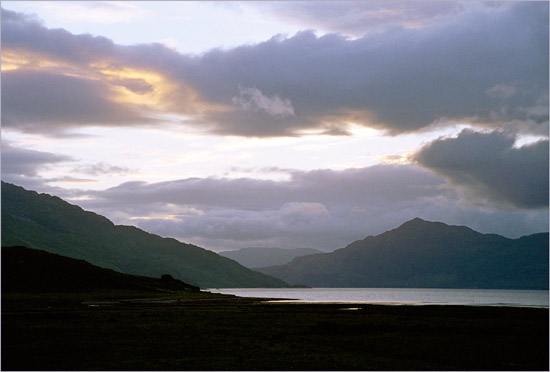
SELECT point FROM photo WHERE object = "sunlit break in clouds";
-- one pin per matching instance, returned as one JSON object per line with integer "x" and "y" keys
{"x": 287, "y": 124}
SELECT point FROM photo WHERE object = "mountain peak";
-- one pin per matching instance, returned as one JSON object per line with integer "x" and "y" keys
{"x": 417, "y": 222}
{"x": 418, "y": 227}
{"x": 424, "y": 254}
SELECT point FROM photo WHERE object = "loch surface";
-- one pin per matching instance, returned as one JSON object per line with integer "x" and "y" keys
{"x": 399, "y": 296}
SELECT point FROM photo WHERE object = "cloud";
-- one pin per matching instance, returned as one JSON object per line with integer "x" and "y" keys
{"x": 399, "y": 80}
{"x": 54, "y": 81}
{"x": 324, "y": 209}
{"x": 139, "y": 86}
{"x": 333, "y": 189}
{"x": 29, "y": 168}
{"x": 502, "y": 91}
{"x": 69, "y": 179}
{"x": 490, "y": 167}
{"x": 253, "y": 99}
{"x": 357, "y": 18}
{"x": 483, "y": 64}
{"x": 25, "y": 162}
{"x": 170, "y": 43}
{"x": 101, "y": 168}
{"x": 23, "y": 166}
{"x": 47, "y": 102}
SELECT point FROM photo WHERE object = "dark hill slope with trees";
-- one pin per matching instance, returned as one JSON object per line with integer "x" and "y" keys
{"x": 48, "y": 223}
{"x": 426, "y": 255}
{"x": 32, "y": 270}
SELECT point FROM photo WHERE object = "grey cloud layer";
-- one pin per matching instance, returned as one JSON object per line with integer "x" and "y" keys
{"x": 101, "y": 168}
{"x": 486, "y": 64}
{"x": 324, "y": 209}
{"x": 24, "y": 167}
{"x": 18, "y": 162}
{"x": 41, "y": 102}
{"x": 335, "y": 189}
{"x": 357, "y": 18}
{"x": 491, "y": 167}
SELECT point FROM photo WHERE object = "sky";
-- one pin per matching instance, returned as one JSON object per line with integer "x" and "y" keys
{"x": 281, "y": 123}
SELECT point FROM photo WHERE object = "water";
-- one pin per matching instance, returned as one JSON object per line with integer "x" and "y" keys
{"x": 399, "y": 296}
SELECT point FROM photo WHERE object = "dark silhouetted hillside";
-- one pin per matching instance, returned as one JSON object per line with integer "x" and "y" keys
{"x": 48, "y": 223}
{"x": 262, "y": 257}
{"x": 426, "y": 255}
{"x": 31, "y": 270}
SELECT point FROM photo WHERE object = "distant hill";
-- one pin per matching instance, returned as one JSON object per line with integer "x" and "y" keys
{"x": 48, "y": 223}
{"x": 262, "y": 257}
{"x": 31, "y": 270}
{"x": 426, "y": 255}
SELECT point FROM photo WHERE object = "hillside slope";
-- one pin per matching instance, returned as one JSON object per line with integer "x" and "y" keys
{"x": 262, "y": 257}
{"x": 32, "y": 270}
{"x": 426, "y": 255}
{"x": 45, "y": 222}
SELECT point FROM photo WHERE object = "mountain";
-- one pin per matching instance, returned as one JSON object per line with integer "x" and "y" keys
{"x": 262, "y": 257}
{"x": 31, "y": 270}
{"x": 426, "y": 255}
{"x": 48, "y": 223}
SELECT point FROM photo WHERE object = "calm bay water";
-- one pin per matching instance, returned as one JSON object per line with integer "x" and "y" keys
{"x": 399, "y": 296}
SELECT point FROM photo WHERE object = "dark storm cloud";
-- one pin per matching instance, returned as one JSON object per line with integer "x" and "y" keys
{"x": 489, "y": 166}
{"x": 484, "y": 64}
{"x": 324, "y": 208}
{"x": 400, "y": 80}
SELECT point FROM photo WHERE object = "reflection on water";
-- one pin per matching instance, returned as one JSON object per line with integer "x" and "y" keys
{"x": 399, "y": 296}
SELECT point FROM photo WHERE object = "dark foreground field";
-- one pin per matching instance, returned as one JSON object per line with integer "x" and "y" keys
{"x": 59, "y": 332}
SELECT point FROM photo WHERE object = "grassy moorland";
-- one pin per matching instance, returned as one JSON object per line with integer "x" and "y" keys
{"x": 112, "y": 330}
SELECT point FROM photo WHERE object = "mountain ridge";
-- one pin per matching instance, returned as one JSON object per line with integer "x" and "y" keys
{"x": 426, "y": 254}
{"x": 49, "y": 223}
{"x": 417, "y": 253}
